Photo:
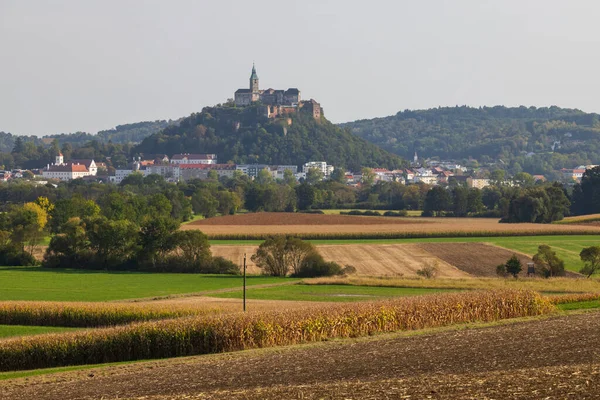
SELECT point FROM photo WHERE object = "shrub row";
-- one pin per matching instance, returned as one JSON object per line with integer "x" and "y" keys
{"x": 402, "y": 235}
{"x": 213, "y": 334}
{"x": 368, "y": 213}
{"x": 84, "y": 315}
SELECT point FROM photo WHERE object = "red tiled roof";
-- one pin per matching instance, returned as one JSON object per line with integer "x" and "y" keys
{"x": 67, "y": 168}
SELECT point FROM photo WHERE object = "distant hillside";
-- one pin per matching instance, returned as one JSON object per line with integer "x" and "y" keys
{"x": 241, "y": 135}
{"x": 127, "y": 133}
{"x": 489, "y": 134}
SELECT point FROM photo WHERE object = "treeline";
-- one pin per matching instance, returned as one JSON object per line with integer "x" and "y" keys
{"x": 530, "y": 139}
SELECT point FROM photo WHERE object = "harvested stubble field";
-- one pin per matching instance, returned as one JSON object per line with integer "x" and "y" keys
{"x": 368, "y": 259}
{"x": 510, "y": 361}
{"x": 258, "y": 225}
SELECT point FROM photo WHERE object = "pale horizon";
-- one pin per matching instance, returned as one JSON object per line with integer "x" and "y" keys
{"x": 89, "y": 66}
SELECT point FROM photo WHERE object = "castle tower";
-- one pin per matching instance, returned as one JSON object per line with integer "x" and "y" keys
{"x": 254, "y": 81}
{"x": 416, "y": 158}
{"x": 59, "y": 160}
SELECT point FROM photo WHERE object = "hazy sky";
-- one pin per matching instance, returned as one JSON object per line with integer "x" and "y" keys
{"x": 87, "y": 65}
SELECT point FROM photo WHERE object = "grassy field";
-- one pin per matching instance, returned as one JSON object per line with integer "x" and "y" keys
{"x": 19, "y": 330}
{"x": 35, "y": 283}
{"x": 337, "y": 293}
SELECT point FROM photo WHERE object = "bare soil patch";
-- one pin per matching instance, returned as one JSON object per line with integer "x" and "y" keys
{"x": 271, "y": 218}
{"x": 477, "y": 259}
{"x": 368, "y": 259}
{"x": 513, "y": 361}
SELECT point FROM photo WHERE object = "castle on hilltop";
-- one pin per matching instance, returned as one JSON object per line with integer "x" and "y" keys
{"x": 275, "y": 102}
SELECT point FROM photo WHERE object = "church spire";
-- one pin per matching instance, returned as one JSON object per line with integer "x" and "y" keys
{"x": 254, "y": 80}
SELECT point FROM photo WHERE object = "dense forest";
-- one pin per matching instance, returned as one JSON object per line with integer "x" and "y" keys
{"x": 243, "y": 135}
{"x": 530, "y": 139}
{"x": 121, "y": 134}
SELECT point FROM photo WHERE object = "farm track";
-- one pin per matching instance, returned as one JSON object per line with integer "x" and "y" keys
{"x": 553, "y": 358}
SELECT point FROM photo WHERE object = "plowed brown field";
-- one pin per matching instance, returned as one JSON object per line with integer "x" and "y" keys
{"x": 368, "y": 259}
{"x": 513, "y": 361}
{"x": 292, "y": 223}
{"x": 477, "y": 259}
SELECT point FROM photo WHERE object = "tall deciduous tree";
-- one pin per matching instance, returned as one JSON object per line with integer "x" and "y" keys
{"x": 591, "y": 257}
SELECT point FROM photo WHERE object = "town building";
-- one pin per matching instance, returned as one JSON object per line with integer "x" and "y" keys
{"x": 275, "y": 102}
{"x": 194, "y": 159}
{"x": 201, "y": 171}
{"x": 478, "y": 183}
{"x": 71, "y": 170}
{"x": 322, "y": 166}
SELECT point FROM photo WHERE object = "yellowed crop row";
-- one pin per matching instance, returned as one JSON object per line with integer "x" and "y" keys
{"x": 230, "y": 332}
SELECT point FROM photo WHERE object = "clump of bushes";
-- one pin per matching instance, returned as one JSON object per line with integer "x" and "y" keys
{"x": 311, "y": 211}
{"x": 369, "y": 213}
{"x": 281, "y": 255}
{"x": 428, "y": 271}
{"x": 401, "y": 213}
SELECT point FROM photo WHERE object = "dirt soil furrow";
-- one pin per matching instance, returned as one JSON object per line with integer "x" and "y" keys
{"x": 545, "y": 358}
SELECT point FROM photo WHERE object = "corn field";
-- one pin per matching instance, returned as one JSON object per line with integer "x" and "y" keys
{"x": 86, "y": 315}
{"x": 573, "y": 298}
{"x": 405, "y": 234}
{"x": 230, "y": 332}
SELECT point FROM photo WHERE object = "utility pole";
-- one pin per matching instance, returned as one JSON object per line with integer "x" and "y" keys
{"x": 244, "y": 282}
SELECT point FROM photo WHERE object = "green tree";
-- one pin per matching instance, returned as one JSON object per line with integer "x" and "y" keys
{"x": 591, "y": 257}
{"x": 113, "y": 242}
{"x": 156, "y": 239}
{"x": 229, "y": 202}
{"x": 263, "y": 177}
{"x": 193, "y": 249}
{"x": 547, "y": 262}
{"x": 280, "y": 255}
{"x": 368, "y": 176}
{"x": 313, "y": 176}
{"x": 460, "y": 201}
{"x": 338, "y": 175}
{"x": 70, "y": 248}
{"x": 213, "y": 175}
{"x": 306, "y": 195}
{"x": 271, "y": 256}
{"x": 289, "y": 178}
{"x": 204, "y": 203}
{"x": 437, "y": 201}
{"x": 514, "y": 266}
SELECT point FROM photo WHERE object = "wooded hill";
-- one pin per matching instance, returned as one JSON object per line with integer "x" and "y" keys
{"x": 490, "y": 134}
{"x": 243, "y": 135}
